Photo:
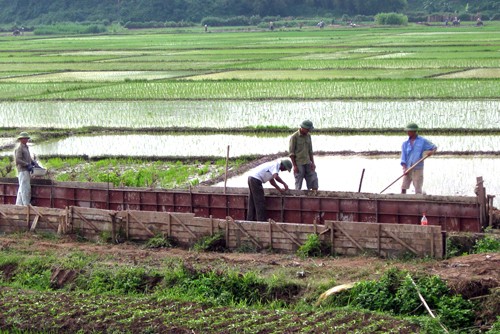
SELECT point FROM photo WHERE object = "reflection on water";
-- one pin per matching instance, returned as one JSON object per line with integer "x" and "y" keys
{"x": 443, "y": 175}
{"x": 216, "y": 144}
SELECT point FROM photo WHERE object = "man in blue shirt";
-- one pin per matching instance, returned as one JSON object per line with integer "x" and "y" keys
{"x": 412, "y": 151}
{"x": 263, "y": 173}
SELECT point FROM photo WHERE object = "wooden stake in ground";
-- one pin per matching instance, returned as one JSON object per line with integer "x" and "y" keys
{"x": 225, "y": 174}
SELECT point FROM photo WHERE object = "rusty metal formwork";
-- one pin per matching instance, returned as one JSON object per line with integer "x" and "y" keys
{"x": 453, "y": 214}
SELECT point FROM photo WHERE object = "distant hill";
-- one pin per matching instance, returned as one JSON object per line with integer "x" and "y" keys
{"x": 34, "y": 12}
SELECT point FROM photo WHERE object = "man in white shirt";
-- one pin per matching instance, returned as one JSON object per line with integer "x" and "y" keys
{"x": 263, "y": 173}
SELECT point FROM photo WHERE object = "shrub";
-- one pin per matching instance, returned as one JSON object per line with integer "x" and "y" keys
{"x": 391, "y": 19}
{"x": 487, "y": 244}
{"x": 394, "y": 292}
{"x": 313, "y": 247}
{"x": 159, "y": 241}
{"x": 211, "y": 243}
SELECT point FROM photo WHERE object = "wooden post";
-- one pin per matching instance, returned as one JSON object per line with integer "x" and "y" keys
{"x": 211, "y": 225}
{"x": 270, "y": 235}
{"x": 169, "y": 225}
{"x": 332, "y": 238}
{"x": 127, "y": 224}
{"x": 227, "y": 232}
{"x": 225, "y": 174}
{"x": 379, "y": 246}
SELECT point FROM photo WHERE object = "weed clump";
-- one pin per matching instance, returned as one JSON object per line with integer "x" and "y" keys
{"x": 159, "y": 241}
{"x": 396, "y": 294}
{"x": 211, "y": 243}
{"x": 313, "y": 247}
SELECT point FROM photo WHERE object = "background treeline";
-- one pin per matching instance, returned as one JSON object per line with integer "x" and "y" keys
{"x": 36, "y": 12}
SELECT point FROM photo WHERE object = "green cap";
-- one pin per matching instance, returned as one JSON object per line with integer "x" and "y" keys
{"x": 411, "y": 127}
{"x": 23, "y": 135}
{"x": 307, "y": 124}
{"x": 287, "y": 164}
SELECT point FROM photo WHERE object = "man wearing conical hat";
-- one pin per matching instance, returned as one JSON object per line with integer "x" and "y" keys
{"x": 413, "y": 150}
{"x": 24, "y": 165}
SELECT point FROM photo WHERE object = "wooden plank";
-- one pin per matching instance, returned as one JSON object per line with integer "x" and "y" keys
{"x": 401, "y": 242}
{"x": 286, "y": 232}
{"x": 76, "y": 210}
{"x": 35, "y": 222}
{"x": 140, "y": 223}
{"x": 337, "y": 225}
{"x": 178, "y": 220}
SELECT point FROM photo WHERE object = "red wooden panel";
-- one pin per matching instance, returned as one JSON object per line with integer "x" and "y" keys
{"x": 293, "y": 216}
{"x": 183, "y": 200}
{"x": 274, "y": 203}
{"x": 166, "y": 199}
{"x": 165, "y": 208}
{"x": 238, "y": 214}
{"x": 310, "y": 204}
{"x": 63, "y": 193}
{"x": 115, "y": 198}
{"x": 131, "y": 198}
{"x": 470, "y": 225}
{"x": 99, "y": 195}
{"x": 218, "y": 201}
{"x": 237, "y": 201}
{"x": 218, "y": 212}
{"x": 308, "y": 217}
{"x": 149, "y": 207}
{"x": 149, "y": 198}
{"x": 292, "y": 203}
{"x": 117, "y": 206}
{"x": 348, "y": 205}
{"x": 201, "y": 200}
{"x": 83, "y": 194}
{"x": 201, "y": 212}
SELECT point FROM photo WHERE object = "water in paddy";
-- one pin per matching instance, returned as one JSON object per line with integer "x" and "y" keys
{"x": 443, "y": 175}
{"x": 339, "y": 167}
{"x": 215, "y": 145}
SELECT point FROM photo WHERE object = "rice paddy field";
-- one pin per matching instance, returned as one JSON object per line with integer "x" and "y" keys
{"x": 165, "y": 95}
{"x": 193, "y": 94}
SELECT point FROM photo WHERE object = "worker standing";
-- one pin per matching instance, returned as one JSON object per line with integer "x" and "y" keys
{"x": 413, "y": 150}
{"x": 24, "y": 165}
{"x": 301, "y": 154}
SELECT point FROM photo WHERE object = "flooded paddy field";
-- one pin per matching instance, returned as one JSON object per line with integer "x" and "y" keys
{"x": 443, "y": 175}
{"x": 215, "y": 145}
{"x": 217, "y": 114}
{"x": 340, "y": 159}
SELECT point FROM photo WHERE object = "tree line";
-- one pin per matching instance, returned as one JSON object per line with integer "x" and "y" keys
{"x": 35, "y": 12}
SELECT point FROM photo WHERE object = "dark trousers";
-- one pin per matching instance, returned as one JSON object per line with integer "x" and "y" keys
{"x": 256, "y": 201}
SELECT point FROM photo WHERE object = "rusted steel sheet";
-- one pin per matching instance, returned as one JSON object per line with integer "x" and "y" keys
{"x": 458, "y": 214}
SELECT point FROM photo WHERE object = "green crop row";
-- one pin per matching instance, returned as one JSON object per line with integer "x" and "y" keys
{"x": 258, "y": 90}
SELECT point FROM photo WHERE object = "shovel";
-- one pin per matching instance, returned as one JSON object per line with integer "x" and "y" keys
{"x": 407, "y": 171}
